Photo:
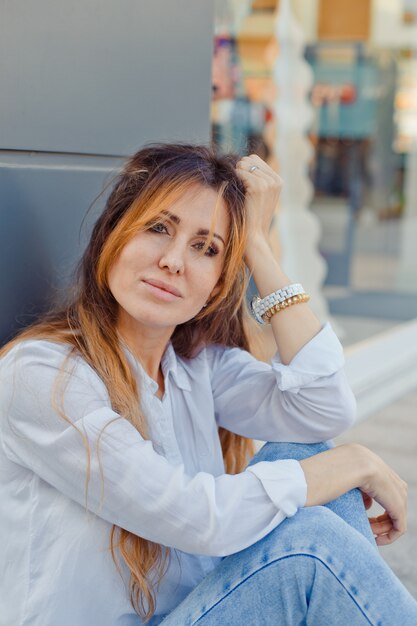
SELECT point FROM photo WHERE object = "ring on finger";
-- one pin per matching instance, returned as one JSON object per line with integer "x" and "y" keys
{"x": 253, "y": 168}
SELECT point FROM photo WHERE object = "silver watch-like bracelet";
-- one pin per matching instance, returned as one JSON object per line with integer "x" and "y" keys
{"x": 260, "y": 306}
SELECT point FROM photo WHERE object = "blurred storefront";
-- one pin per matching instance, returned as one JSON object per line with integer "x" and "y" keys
{"x": 363, "y": 130}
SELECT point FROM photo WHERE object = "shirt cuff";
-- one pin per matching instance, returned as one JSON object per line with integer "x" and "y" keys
{"x": 321, "y": 356}
{"x": 284, "y": 482}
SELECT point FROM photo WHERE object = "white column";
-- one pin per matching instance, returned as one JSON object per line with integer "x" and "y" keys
{"x": 298, "y": 227}
{"x": 230, "y": 15}
{"x": 407, "y": 274}
{"x": 307, "y": 14}
{"x": 407, "y": 270}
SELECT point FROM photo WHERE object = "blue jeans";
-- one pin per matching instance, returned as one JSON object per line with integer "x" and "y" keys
{"x": 320, "y": 567}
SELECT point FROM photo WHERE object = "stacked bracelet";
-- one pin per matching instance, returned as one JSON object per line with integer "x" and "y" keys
{"x": 287, "y": 295}
{"x": 283, "y": 305}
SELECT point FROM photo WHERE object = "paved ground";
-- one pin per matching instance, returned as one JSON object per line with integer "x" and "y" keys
{"x": 392, "y": 433}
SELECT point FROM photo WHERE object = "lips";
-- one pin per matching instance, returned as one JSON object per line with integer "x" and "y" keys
{"x": 161, "y": 285}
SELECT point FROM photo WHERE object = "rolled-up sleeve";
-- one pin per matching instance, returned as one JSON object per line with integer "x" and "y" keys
{"x": 307, "y": 401}
{"x": 130, "y": 484}
{"x": 288, "y": 491}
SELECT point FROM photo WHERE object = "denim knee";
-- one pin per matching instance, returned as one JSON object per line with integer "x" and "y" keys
{"x": 274, "y": 451}
{"x": 313, "y": 531}
{"x": 260, "y": 584}
{"x": 349, "y": 506}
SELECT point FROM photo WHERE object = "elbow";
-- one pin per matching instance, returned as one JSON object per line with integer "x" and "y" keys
{"x": 221, "y": 548}
{"x": 217, "y": 544}
{"x": 221, "y": 539}
{"x": 327, "y": 414}
{"x": 343, "y": 413}
{"x": 351, "y": 409}
{"x": 342, "y": 407}
{"x": 348, "y": 405}
{"x": 336, "y": 415}
{"x": 218, "y": 549}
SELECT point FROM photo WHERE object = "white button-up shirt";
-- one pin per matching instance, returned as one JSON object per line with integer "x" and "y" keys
{"x": 55, "y": 563}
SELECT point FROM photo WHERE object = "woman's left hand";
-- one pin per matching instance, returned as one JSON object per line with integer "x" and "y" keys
{"x": 381, "y": 524}
{"x": 263, "y": 187}
{"x": 367, "y": 500}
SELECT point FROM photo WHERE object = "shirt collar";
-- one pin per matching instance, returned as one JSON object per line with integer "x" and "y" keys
{"x": 170, "y": 363}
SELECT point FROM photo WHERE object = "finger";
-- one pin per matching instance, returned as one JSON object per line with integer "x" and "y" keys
{"x": 385, "y": 540}
{"x": 380, "y": 518}
{"x": 381, "y": 528}
{"x": 399, "y": 524}
{"x": 251, "y": 180}
{"x": 387, "y": 525}
{"x": 256, "y": 159}
{"x": 367, "y": 500}
{"x": 262, "y": 168}
{"x": 258, "y": 172}
{"x": 244, "y": 168}
{"x": 398, "y": 528}
{"x": 256, "y": 177}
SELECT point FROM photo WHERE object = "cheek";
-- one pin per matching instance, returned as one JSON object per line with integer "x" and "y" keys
{"x": 206, "y": 278}
{"x": 121, "y": 274}
{"x": 131, "y": 260}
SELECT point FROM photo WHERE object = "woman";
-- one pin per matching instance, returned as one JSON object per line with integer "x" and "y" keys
{"x": 127, "y": 417}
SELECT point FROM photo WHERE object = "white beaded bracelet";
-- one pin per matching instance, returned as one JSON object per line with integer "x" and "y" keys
{"x": 260, "y": 306}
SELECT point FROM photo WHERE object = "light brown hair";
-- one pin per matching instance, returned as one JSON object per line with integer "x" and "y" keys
{"x": 150, "y": 181}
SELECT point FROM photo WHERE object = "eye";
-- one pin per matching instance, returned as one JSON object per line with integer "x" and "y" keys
{"x": 212, "y": 250}
{"x": 159, "y": 227}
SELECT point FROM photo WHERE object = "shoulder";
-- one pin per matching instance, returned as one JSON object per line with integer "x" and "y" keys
{"x": 42, "y": 360}
{"x": 39, "y": 352}
{"x": 40, "y": 379}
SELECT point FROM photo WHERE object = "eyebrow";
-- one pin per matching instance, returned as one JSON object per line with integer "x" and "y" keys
{"x": 202, "y": 232}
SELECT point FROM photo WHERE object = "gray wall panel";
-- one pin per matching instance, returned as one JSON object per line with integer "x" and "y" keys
{"x": 101, "y": 77}
{"x": 41, "y": 237}
{"x": 80, "y": 78}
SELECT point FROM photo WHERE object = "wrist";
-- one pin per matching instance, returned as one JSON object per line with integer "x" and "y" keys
{"x": 257, "y": 244}
{"x": 366, "y": 462}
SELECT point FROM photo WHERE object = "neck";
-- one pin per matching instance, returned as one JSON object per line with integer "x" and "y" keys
{"x": 148, "y": 344}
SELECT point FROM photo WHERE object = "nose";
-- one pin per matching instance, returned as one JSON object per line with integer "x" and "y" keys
{"x": 172, "y": 259}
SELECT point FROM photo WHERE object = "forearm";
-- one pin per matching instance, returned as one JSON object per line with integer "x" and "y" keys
{"x": 332, "y": 473}
{"x": 294, "y": 326}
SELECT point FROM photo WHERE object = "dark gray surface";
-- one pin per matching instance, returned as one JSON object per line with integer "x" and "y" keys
{"x": 43, "y": 203}
{"x": 391, "y": 305}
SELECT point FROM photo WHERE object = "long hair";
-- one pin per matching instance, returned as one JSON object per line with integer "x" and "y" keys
{"x": 150, "y": 182}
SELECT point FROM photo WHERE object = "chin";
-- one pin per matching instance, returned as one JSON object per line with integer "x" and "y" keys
{"x": 160, "y": 320}
{"x": 161, "y": 317}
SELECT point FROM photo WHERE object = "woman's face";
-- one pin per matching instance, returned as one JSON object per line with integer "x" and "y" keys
{"x": 161, "y": 279}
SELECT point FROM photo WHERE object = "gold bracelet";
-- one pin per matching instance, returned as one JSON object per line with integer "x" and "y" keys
{"x": 283, "y": 305}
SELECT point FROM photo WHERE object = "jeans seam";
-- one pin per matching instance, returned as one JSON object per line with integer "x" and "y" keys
{"x": 288, "y": 556}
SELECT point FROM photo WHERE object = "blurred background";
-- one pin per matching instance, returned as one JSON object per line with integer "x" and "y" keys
{"x": 324, "y": 90}
{"x": 363, "y": 122}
